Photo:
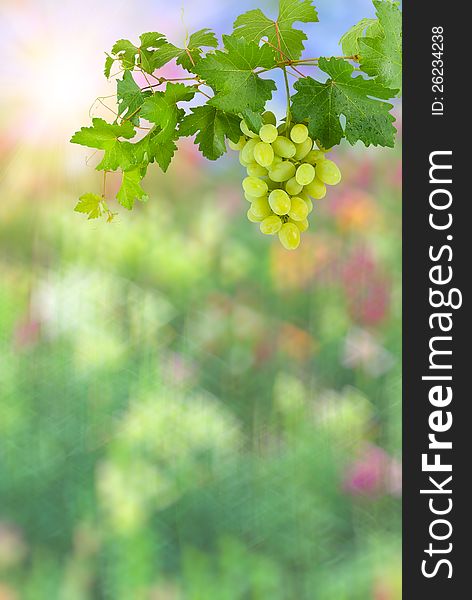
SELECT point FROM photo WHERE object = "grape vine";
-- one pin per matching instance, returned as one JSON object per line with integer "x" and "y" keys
{"x": 228, "y": 89}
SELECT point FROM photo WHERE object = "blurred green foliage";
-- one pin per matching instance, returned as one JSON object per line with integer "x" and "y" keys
{"x": 190, "y": 412}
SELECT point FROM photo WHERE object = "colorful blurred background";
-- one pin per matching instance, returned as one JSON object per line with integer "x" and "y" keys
{"x": 188, "y": 411}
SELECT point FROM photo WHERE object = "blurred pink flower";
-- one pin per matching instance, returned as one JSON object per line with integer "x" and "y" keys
{"x": 27, "y": 333}
{"x": 178, "y": 369}
{"x": 373, "y": 474}
{"x": 367, "y": 288}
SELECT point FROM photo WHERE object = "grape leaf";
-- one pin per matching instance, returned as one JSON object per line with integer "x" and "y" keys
{"x": 253, "y": 120}
{"x": 91, "y": 205}
{"x": 101, "y": 134}
{"x": 381, "y": 56}
{"x": 166, "y": 53}
{"x": 105, "y": 136}
{"x": 357, "y": 99}
{"x": 204, "y": 38}
{"x": 130, "y": 98}
{"x": 186, "y": 57}
{"x": 109, "y": 62}
{"x": 149, "y": 150}
{"x": 350, "y": 40}
{"x": 125, "y": 52}
{"x": 254, "y": 25}
{"x": 162, "y": 110}
{"x": 131, "y": 189}
{"x": 130, "y": 55}
{"x": 231, "y": 74}
{"x": 213, "y": 127}
{"x": 150, "y": 44}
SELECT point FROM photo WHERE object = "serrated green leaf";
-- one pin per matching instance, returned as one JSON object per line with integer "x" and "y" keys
{"x": 101, "y": 134}
{"x": 130, "y": 98}
{"x": 151, "y": 40}
{"x": 126, "y": 52}
{"x": 131, "y": 189}
{"x": 186, "y": 57}
{"x": 381, "y": 56}
{"x": 106, "y": 136}
{"x": 120, "y": 155}
{"x": 358, "y": 100}
{"x": 203, "y": 38}
{"x": 109, "y": 62}
{"x": 232, "y": 75}
{"x": 162, "y": 110}
{"x": 254, "y": 25}
{"x": 253, "y": 120}
{"x": 91, "y": 205}
{"x": 151, "y": 43}
{"x": 143, "y": 55}
{"x": 212, "y": 126}
{"x": 166, "y": 53}
{"x": 350, "y": 40}
{"x": 163, "y": 153}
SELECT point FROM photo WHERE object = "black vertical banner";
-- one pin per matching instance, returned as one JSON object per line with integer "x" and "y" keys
{"x": 437, "y": 261}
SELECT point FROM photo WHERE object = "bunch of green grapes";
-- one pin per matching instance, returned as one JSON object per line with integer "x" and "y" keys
{"x": 286, "y": 170}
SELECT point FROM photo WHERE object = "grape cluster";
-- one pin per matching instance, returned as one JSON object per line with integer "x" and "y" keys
{"x": 285, "y": 171}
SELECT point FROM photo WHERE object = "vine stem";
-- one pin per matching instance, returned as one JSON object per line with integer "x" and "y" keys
{"x": 288, "y": 61}
{"x": 104, "y": 184}
{"x": 308, "y": 62}
{"x": 287, "y": 90}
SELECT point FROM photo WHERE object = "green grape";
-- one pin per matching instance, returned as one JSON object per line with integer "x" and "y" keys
{"x": 298, "y": 209}
{"x": 271, "y": 225}
{"x": 239, "y": 146}
{"x": 328, "y": 172}
{"x": 305, "y": 174}
{"x": 284, "y": 147}
{"x": 316, "y": 188}
{"x": 264, "y": 154}
{"x": 279, "y": 202}
{"x": 299, "y": 133}
{"x": 314, "y": 157}
{"x": 252, "y": 217}
{"x": 309, "y": 203}
{"x": 277, "y": 160}
{"x": 269, "y": 118}
{"x": 260, "y": 208}
{"x": 293, "y": 187}
{"x": 255, "y": 187}
{"x": 303, "y": 149}
{"x": 268, "y": 133}
{"x": 249, "y": 198}
{"x": 247, "y": 152}
{"x": 247, "y": 132}
{"x": 289, "y": 236}
{"x": 242, "y": 161}
{"x": 282, "y": 171}
{"x": 255, "y": 170}
{"x": 302, "y": 225}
